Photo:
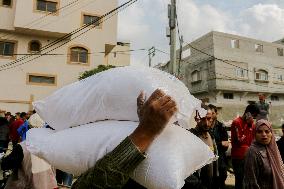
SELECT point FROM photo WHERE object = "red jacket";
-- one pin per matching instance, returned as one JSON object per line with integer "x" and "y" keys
{"x": 14, "y": 136}
{"x": 241, "y": 138}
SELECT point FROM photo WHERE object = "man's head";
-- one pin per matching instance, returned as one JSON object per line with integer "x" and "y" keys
{"x": 28, "y": 115}
{"x": 8, "y": 115}
{"x": 23, "y": 115}
{"x": 261, "y": 97}
{"x": 205, "y": 123}
{"x": 18, "y": 115}
{"x": 214, "y": 111}
{"x": 250, "y": 113}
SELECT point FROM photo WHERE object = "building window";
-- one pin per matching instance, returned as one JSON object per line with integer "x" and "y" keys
{"x": 7, "y": 48}
{"x": 79, "y": 55}
{"x": 34, "y": 46}
{"x": 91, "y": 19}
{"x": 41, "y": 79}
{"x": 235, "y": 44}
{"x": 261, "y": 75}
{"x": 195, "y": 76}
{"x": 240, "y": 72}
{"x": 7, "y": 3}
{"x": 274, "y": 98}
{"x": 258, "y": 47}
{"x": 228, "y": 95}
{"x": 280, "y": 51}
{"x": 280, "y": 77}
{"x": 186, "y": 53}
{"x": 47, "y": 6}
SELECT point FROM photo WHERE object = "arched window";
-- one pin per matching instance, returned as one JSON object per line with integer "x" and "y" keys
{"x": 34, "y": 46}
{"x": 79, "y": 55}
{"x": 261, "y": 75}
{"x": 195, "y": 76}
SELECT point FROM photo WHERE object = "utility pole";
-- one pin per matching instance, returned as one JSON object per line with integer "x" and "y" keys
{"x": 151, "y": 54}
{"x": 172, "y": 25}
{"x": 180, "y": 54}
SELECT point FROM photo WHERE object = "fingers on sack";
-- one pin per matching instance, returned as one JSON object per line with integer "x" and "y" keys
{"x": 164, "y": 100}
{"x": 170, "y": 104}
{"x": 141, "y": 98}
{"x": 171, "y": 111}
{"x": 158, "y": 93}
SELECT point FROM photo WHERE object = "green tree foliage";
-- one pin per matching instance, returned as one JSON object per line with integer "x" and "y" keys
{"x": 94, "y": 71}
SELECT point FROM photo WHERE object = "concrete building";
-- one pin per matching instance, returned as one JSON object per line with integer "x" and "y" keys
{"x": 35, "y": 27}
{"x": 230, "y": 71}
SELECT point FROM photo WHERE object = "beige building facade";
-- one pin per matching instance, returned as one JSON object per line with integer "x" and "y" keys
{"x": 40, "y": 52}
{"x": 230, "y": 71}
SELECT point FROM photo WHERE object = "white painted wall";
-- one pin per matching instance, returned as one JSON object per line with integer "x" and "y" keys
{"x": 13, "y": 81}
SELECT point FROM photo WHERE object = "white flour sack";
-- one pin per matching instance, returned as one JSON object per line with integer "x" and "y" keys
{"x": 173, "y": 156}
{"x": 111, "y": 95}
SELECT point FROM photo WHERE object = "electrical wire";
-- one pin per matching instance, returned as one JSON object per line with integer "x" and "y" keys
{"x": 101, "y": 52}
{"x": 223, "y": 60}
{"x": 68, "y": 37}
{"x": 42, "y": 17}
{"x": 162, "y": 51}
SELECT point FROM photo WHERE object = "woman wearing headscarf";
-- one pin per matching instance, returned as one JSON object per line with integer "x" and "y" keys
{"x": 264, "y": 168}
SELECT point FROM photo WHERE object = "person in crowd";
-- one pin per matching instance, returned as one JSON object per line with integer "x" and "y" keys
{"x": 220, "y": 134}
{"x": 203, "y": 178}
{"x": 22, "y": 130}
{"x": 242, "y": 130}
{"x": 14, "y": 135}
{"x": 8, "y": 116}
{"x": 263, "y": 107}
{"x": 280, "y": 143}
{"x": 4, "y": 134}
{"x": 264, "y": 167}
{"x": 29, "y": 114}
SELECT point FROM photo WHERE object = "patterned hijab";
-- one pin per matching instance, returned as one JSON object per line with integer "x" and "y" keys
{"x": 274, "y": 157}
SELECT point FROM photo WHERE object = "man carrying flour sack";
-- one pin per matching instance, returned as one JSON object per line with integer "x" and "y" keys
{"x": 113, "y": 170}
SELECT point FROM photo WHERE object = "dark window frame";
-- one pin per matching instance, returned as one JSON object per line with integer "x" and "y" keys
{"x": 41, "y": 79}
{"x": 31, "y": 46}
{"x": 274, "y": 98}
{"x": 79, "y": 52}
{"x": 91, "y": 19}
{"x": 280, "y": 52}
{"x": 9, "y": 3}
{"x": 45, "y": 6}
{"x": 235, "y": 43}
{"x": 229, "y": 96}
{"x": 4, "y": 48}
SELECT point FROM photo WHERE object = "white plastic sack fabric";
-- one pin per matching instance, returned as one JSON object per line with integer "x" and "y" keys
{"x": 111, "y": 95}
{"x": 35, "y": 121}
{"x": 174, "y": 155}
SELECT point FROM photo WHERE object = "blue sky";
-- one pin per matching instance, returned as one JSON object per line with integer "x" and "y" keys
{"x": 143, "y": 24}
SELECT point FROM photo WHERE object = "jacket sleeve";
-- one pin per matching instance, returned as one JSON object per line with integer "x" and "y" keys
{"x": 235, "y": 133}
{"x": 113, "y": 170}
